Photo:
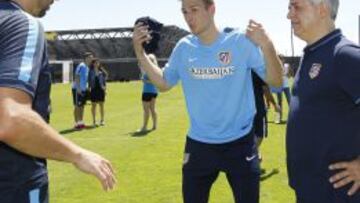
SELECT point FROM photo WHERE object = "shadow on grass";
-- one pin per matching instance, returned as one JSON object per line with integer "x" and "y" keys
{"x": 264, "y": 176}
{"x": 140, "y": 133}
{"x": 72, "y": 130}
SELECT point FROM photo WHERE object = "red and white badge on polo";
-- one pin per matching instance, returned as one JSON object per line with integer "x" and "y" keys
{"x": 315, "y": 70}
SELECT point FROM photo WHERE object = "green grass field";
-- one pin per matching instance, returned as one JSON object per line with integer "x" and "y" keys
{"x": 148, "y": 168}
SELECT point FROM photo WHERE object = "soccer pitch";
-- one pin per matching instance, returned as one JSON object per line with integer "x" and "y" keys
{"x": 148, "y": 167}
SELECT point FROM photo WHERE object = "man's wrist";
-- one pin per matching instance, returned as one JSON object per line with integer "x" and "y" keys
{"x": 76, "y": 155}
{"x": 267, "y": 45}
{"x": 139, "y": 50}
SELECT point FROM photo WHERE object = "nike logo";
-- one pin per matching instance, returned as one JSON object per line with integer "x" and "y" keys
{"x": 192, "y": 59}
{"x": 249, "y": 158}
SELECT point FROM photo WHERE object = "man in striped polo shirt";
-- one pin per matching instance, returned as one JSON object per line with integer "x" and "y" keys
{"x": 26, "y": 140}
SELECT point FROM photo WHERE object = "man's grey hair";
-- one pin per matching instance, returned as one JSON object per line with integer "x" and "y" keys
{"x": 332, "y": 4}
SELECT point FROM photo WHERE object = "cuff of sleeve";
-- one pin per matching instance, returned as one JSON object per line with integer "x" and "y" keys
{"x": 18, "y": 84}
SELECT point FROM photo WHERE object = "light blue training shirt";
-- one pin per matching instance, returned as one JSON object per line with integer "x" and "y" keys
{"x": 82, "y": 70}
{"x": 216, "y": 81}
{"x": 148, "y": 86}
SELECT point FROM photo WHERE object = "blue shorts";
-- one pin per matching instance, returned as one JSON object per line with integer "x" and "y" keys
{"x": 26, "y": 194}
{"x": 237, "y": 159}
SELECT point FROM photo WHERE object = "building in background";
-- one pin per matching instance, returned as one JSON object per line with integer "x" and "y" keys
{"x": 113, "y": 46}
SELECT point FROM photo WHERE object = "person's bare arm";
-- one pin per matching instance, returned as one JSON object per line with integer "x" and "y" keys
{"x": 24, "y": 130}
{"x": 141, "y": 35}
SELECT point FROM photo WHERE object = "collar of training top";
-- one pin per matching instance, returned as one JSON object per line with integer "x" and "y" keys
{"x": 323, "y": 41}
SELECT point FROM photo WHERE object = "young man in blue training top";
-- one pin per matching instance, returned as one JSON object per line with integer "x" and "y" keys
{"x": 323, "y": 133}
{"x": 79, "y": 89}
{"x": 25, "y": 137}
{"x": 215, "y": 70}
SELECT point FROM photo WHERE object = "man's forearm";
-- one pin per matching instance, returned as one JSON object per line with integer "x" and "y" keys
{"x": 273, "y": 65}
{"x": 33, "y": 136}
{"x": 154, "y": 73}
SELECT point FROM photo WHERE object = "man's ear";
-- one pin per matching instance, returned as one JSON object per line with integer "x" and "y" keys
{"x": 211, "y": 8}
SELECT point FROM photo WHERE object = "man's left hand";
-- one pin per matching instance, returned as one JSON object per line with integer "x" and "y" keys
{"x": 350, "y": 173}
{"x": 256, "y": 33}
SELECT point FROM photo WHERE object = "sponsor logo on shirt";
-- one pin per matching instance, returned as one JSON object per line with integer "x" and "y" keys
{"x": 315, "y": 70}
{"x": 212, "y": 73}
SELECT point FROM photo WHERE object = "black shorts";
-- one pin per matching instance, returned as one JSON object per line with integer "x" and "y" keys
{"x": 79, "y": 99}
{"x": 260, "y": 126}
{"x": 203, "y": 162}
{"x": 97, "y": 95}
{"x": 146, "y": 97}
{"x": 26, "y": 194}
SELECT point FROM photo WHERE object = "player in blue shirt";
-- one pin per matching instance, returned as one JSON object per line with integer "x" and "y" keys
{"x": 25, "y": 137}
{"x": 80, "y": 86}
{"x": 323, "y": 133}
{"x": 215, "y": 72}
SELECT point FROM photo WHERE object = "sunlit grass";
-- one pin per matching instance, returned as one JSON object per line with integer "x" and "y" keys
{"x": 148, "y": 167}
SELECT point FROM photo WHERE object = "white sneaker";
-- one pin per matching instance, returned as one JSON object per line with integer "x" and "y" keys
{"x": 102, "y": 123}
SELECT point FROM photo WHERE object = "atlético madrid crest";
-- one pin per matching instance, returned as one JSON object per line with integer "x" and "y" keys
{"x": 315, "y": 70}
{"x": 225, "y": 57}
